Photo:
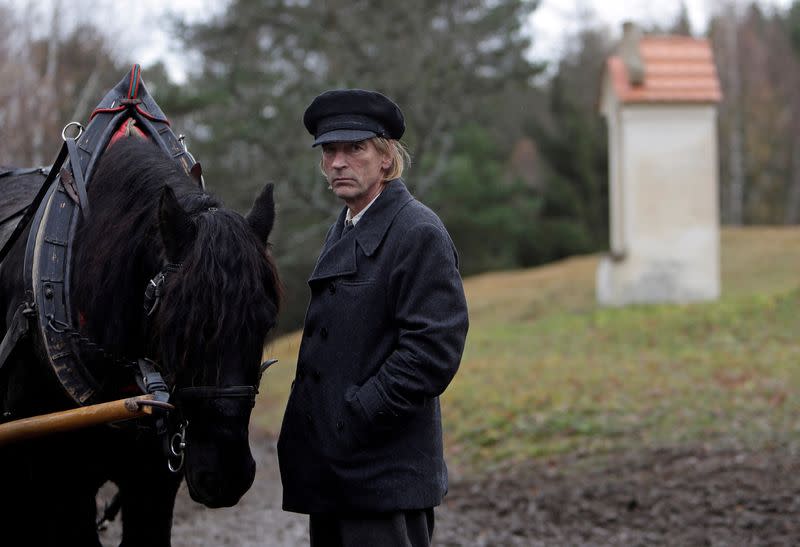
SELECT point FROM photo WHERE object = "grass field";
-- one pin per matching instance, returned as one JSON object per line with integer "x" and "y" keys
{"x": 547, "y": 371}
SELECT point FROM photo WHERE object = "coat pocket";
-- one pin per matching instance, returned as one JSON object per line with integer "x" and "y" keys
{"x": 352, "y": 426}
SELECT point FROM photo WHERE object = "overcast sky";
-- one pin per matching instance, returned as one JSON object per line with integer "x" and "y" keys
{"x": 141, "y": 34}
{"x": 555, "y": 20}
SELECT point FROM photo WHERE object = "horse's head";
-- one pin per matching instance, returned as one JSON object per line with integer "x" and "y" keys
{"x": 210, "y": 327}
{"x": 218, "y": 300}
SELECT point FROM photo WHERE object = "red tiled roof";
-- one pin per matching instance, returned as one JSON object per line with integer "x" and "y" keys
{"x": 676, "y": 69}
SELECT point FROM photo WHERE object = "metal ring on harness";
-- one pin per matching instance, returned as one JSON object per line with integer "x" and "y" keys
{"x": 59, "y": 327}
{"x": 80, "y": 130}
{"x": 177, "y": 444}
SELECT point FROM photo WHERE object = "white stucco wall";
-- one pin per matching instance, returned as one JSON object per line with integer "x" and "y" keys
{"x": 611, "y": 111}
{"x": 664, "y": 218}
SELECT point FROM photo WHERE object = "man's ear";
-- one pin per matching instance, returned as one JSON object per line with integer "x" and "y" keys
{"x": 176, "y": 226}
{"x": 386, "y": 161}
{"x": 261, "y": 217}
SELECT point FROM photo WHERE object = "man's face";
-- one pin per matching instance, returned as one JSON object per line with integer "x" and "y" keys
{"x": 354, "y": 171}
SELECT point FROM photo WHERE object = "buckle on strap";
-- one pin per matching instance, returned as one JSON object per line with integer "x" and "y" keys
{"x": 152, "y": 381}
{"x": 155, "y": 288}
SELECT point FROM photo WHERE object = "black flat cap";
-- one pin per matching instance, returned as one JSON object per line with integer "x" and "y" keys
{"x": 351, "y": 115}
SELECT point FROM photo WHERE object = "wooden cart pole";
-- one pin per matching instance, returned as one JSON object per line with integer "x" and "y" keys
{"x": 68, "y": 420}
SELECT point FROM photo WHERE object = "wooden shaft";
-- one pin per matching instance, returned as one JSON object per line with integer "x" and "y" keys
{"x": 68, "y": 420}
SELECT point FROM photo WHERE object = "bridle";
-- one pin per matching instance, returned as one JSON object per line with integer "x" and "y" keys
{"x": 175, "y": 448}
{"x": 178, "y": 440}
{"x": 175, "y": 442}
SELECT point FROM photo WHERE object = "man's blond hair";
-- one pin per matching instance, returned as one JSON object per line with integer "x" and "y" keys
{"x": 395, "y": 149}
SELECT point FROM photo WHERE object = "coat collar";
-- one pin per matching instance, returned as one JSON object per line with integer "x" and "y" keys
{"x": 338, "y": 256}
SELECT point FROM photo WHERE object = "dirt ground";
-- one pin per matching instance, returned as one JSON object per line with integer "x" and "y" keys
{"x": 713, "y": 495}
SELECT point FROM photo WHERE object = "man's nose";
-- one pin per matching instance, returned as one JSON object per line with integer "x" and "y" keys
{"x": 339, "y": 160}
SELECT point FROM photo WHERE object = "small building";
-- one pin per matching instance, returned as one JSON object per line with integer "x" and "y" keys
{"x": 659, "y": 97}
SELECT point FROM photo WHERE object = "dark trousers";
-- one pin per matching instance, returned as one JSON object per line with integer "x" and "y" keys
{"x": 398, "y": 529}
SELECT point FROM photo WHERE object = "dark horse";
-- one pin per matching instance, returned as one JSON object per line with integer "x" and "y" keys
{"x": 208, "y": 330}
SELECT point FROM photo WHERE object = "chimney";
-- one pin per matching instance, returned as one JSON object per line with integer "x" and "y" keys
{"x": 629, "y": 51}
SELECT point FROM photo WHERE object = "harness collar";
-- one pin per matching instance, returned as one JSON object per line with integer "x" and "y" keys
{"x": 48, "y": 256}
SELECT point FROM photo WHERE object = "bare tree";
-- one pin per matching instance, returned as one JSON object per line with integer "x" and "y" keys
{"x": 45, "y": 91}
{"x": 48, "y": 81}
{"x": 733, "y": 207}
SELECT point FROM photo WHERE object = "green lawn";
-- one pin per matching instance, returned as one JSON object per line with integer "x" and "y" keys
{"x": 546, "y": 370}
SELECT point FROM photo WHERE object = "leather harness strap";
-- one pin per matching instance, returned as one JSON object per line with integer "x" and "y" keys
{"x": 51, "y": 245}
{"x": 77, "y": 174}
{"x": 18, "y": 328}
{"x": 34, "y": 205}
{"x": 47, "y": 262}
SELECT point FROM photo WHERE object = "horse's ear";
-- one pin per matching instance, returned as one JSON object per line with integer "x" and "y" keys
{"x": 176, "y": 226}
{"x": 197, "y": 173}
{"x": 262, "y": 216}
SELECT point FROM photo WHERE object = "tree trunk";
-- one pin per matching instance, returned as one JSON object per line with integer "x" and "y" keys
{"x": 792, "y": 214}
{"x": 735, "y": 202}
{"x": 47, "y": 94}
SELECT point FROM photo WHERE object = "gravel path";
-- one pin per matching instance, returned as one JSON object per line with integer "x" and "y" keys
{"x": 711, "y": 496}
{"x": 257, "y": 520}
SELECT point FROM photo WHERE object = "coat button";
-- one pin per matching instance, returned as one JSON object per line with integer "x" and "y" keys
{"x": 316, "y": 375}
{"x": 323, "y": 332}
{"x": 332, "y": 288}
{"x": 308, "y": 417}
{"x": 339, "y": 425}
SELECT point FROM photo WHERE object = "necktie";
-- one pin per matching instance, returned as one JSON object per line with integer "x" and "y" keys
{"x": 348, "y": 225}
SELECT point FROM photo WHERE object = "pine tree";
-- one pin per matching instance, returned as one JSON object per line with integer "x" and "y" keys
{"x": 449, "y": 64}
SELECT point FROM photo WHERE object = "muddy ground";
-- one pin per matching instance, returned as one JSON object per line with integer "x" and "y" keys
{"x": 705, "y": 495}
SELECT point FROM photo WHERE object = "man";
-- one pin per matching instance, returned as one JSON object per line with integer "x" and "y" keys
{"x": 360, "y": 448}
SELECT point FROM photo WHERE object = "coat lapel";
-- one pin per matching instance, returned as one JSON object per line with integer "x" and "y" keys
{"x": 338, "y": 256}
{"x": 372, "y": 227}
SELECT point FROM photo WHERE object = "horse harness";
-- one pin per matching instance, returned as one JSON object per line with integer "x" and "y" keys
{"x": 154, "y": 384}
{"x": 53, "y": 216}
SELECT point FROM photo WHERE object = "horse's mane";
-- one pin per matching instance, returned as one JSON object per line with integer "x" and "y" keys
{"x": 225, "y": 292}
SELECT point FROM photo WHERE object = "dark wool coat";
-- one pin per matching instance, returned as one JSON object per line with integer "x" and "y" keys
{"x": 384, "y": 333}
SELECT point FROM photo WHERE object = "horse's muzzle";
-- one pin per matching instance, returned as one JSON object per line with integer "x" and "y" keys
{"x": 222, "y": 486}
